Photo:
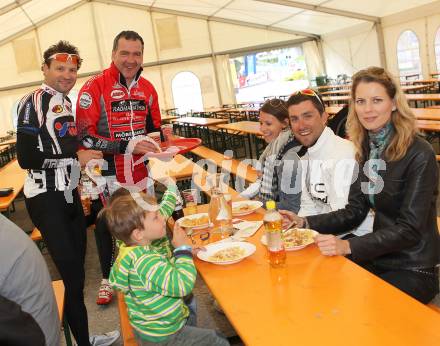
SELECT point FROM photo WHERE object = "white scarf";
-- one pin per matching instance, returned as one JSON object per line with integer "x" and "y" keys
{"x": 268, "y": 160}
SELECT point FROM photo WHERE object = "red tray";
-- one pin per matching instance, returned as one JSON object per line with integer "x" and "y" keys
{"x": 184, "y": 144}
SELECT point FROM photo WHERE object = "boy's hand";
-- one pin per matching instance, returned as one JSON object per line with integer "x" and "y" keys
{"x": 179, "y": 236}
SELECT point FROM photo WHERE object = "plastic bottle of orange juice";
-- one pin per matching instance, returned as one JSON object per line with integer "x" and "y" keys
{"x": 273, "y": 225}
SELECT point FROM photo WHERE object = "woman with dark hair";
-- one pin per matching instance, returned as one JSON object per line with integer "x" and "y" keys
{"x": 280, "y": 178}
{"x": 398, "y": 178}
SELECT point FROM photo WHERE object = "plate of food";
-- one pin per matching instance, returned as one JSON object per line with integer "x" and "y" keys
{"x": 295, "y": 238}
{"x": 242, "y": 208}
{"x": 195, "y": 221}
{"x": 226, "y": 252}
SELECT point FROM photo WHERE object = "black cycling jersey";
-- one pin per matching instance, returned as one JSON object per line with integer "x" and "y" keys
{"x": 46, "y": 140}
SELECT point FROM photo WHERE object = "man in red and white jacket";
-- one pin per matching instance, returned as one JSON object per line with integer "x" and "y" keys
{"x": 115, "y": 111}
{"x": 117, "y": 106}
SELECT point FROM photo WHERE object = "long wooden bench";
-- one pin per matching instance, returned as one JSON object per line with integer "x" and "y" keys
{"x": 233, "y": 166}
{"x": 58, "y": 289}
{"x": 126, "y": 329}
{"x": 36, "y": 235}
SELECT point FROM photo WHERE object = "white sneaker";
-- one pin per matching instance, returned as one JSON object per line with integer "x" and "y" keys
{"x": 104, "y": 339}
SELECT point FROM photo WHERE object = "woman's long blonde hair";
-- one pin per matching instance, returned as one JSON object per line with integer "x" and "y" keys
{"x": 402, "y": 118}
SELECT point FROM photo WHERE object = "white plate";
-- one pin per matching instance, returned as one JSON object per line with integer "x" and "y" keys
{"x": 213, "y": 248}
{"x": 194, "y": 216}
{"x": 293, "y": 248}
{"x": 166, "y": 154}
{"x": 253, "y": 205}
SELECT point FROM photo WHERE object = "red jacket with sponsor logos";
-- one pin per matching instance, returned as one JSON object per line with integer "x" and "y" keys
{"x": 109, "y": 113}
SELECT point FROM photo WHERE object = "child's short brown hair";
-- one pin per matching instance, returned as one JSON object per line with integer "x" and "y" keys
{"x": 124, "y": 213}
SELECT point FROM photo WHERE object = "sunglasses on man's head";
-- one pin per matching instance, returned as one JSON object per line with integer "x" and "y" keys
{"x": 309, "y": 92}
{"x": 65, "y": 57}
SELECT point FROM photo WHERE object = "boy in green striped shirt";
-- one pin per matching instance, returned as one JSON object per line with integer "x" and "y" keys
{"x": 153, "y": 277}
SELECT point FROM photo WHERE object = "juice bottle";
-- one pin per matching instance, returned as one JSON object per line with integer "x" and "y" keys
{"x": 273, "y": 225}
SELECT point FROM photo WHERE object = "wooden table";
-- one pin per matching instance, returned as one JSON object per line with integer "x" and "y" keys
{"x": 420, "y": 113}
{"x": 410, "y": 97}
{"x": 181, "y": 168}
{"x": 410, "y": 75}
{"x": 250, "y": 128}
{"x": 8, "y": 142}
{"x": 11, "y": 175}
{"x": 315, "y": 300}
{"x": 336, "y": 99}
{"x": 337, "y": 91}
{"x": 199, "y": 121}
{"x": 332, "y": 110}
{"x": 409, "y": 88}
{"x": 198, "y": 127}
{"x": 427, "y": 113}
{"x": 335, "y": 86}
{"x": 168, "y": 118}
{"x": 216, "y": 109}
{"x": 428, "y": 125}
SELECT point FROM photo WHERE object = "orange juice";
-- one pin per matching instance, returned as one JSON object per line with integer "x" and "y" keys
{"x": 273, "y": 225}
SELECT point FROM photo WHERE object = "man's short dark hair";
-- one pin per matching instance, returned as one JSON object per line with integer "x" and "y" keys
{"x": 60, "y": 47}
{"x": 314, "y": 97}
{"x": 128, "y": 35}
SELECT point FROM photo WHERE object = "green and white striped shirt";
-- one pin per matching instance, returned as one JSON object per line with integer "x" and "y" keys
{"x": 154, "y": 283}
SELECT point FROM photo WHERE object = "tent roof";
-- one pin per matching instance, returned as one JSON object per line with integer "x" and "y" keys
{"x": 304, "y": 17}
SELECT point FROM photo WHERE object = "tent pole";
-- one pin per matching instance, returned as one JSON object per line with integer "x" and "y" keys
{"x": 156, "y": 49}
{"x": 95, "y": 30}
{"x": 321, "y": 53}
{"x": 217, "y": 84}
{"x": 381, "y": 42}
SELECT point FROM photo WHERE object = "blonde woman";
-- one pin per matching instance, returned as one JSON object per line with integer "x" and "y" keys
{"x": 398, "y": 178}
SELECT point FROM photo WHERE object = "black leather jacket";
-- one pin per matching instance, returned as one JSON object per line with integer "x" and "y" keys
{"x": 405, "y": 234}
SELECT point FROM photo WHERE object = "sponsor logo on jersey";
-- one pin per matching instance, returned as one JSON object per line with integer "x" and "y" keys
{"x": 27, "y": 112}
{"x": 139, "y": 93}
{"x": 87, "y": 142}
{"x": 128, "y": 134}
{"x": 64, "y": 127}
{"x": 117, "y": 94}
{"x": 85, "y": 100}
{"x": 128, "y": 105}
{"x": 117, "y": 86}
{"x": 57, "y": 109}
{"x": 101, "y": 144}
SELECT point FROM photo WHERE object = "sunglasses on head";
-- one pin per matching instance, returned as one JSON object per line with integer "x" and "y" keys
{"x": 309, "y": 92}
{"x": 65, "y": 57}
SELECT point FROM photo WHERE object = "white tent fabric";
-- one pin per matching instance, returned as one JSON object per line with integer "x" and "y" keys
{"x": 313, "y": 59}
{"x": 312, "y": 16}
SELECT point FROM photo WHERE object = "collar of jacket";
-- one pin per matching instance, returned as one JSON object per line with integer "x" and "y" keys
{"x": 326, "y": 134}
{"x": 120, "y": 78}
{"x": 49, "y": 89}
